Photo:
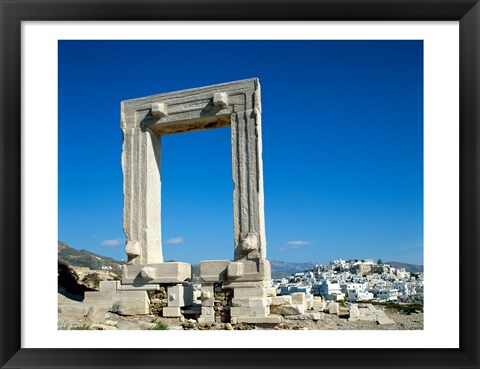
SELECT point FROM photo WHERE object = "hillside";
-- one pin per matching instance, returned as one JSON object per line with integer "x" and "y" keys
{"x": 83, "y": 258}
{"x": 282, "y": 269}
{"x": 408, "y": 267}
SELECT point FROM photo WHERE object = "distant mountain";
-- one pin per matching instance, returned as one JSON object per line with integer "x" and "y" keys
{"x": 408, "y": 267}
{"x": 284, "y": 268}
{"x": 83, "y": 258}
{"x": 288, "y": 266}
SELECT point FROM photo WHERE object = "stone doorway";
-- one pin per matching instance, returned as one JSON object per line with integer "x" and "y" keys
{"x": 247, "y": 277}
{"x": 144, "y": 121}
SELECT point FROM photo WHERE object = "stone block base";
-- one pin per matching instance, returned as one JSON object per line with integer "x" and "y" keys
{"x": 282, "y": 300}
{"x": 135, "y": 307}
{"x": 141, "y": 274}
{"x": 206, "y": 319}
{"x": 234, "y": 271}
{"x": 302, "y": 299}
{"x": 249, "y": 312}
{"x": 119, "y": 301}
{"x": 353, "y": 312}
{"x": 207, "y": 310}
{"x": 251, "y": 302}
{"x": 271, "y": 292}
{"x": 333, "y": 308}
{"x": 171, "y": 312}
{"x": 243, "y": 292}
{"x": 291, "y": 309}
{"x": 207, "y": 296}
{"x": 309, "y": 302}
{"x": 92, "y": 296}
{"x": 213, "y": 270}
{"x": 180, "y": 295}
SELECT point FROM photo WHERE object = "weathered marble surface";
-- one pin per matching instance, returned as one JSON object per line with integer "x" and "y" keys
{"x": 145, "y": 120}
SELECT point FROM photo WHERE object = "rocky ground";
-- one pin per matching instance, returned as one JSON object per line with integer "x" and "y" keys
{"x": 73, "y": 314}
{"x": 100, "y": 319}
{"x": 334, "y": 322}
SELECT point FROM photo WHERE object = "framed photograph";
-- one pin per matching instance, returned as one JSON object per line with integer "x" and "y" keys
{"x": 413, "y": 65}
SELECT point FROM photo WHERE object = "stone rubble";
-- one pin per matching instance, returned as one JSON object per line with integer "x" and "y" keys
{"x": 333, "y": 308}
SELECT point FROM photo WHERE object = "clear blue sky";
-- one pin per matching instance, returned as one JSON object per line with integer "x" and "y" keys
{"x": 342, "y": 147}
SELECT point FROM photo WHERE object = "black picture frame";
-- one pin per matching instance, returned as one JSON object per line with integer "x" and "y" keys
{"x": 12, "y": 13}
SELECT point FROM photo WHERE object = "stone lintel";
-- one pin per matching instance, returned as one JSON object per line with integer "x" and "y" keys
{"x": 138, "y": 274}
{"x": 172, "y": 126}
{"x": 192, "y": 103}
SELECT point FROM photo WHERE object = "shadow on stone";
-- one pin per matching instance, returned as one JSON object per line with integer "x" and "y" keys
{"x": 68, "y": 284}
